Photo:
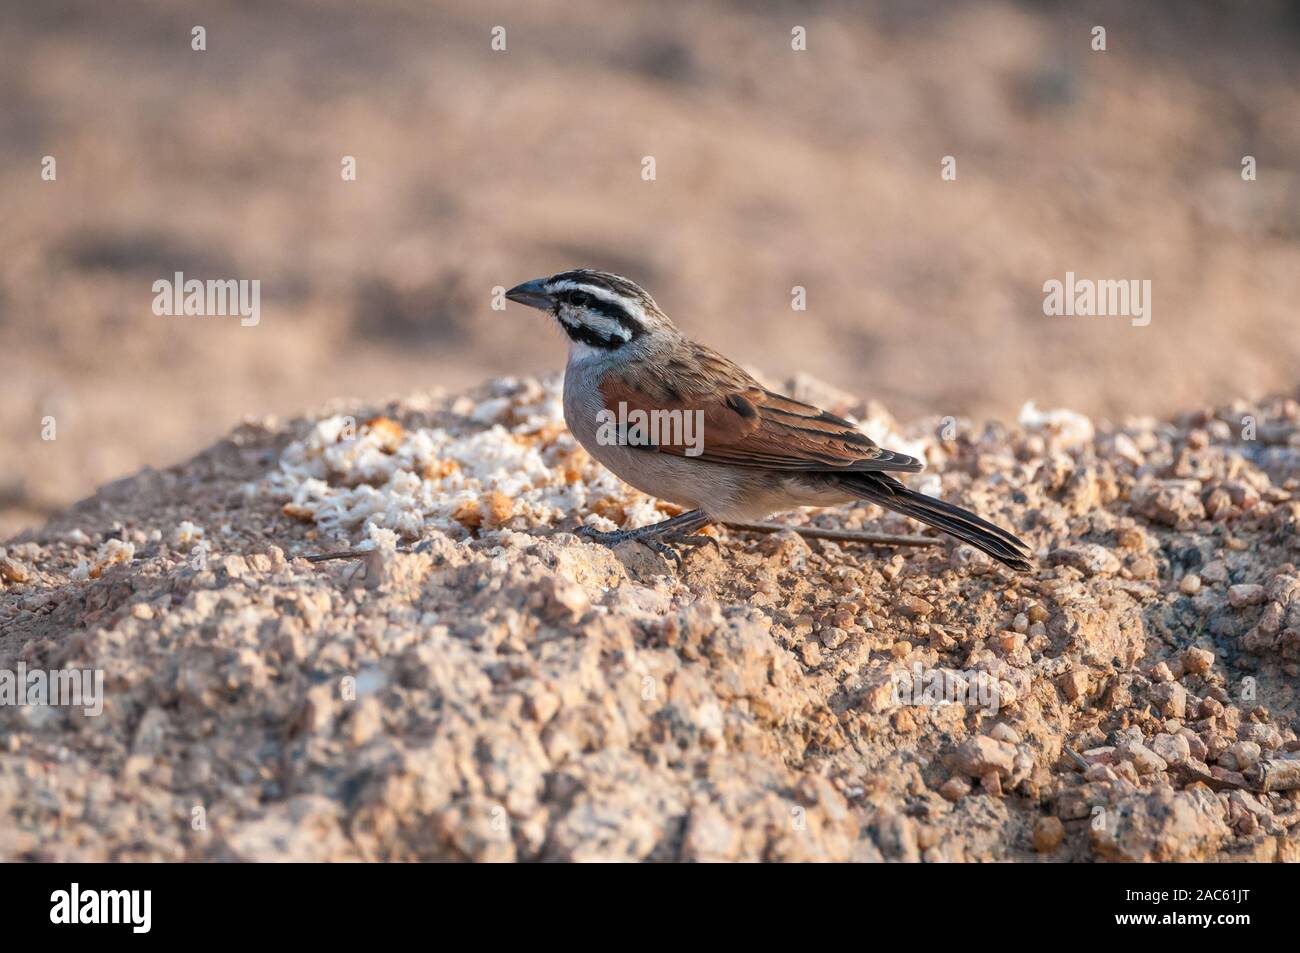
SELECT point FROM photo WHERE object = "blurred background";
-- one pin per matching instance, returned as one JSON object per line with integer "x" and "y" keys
{"x": 774, "y": 168}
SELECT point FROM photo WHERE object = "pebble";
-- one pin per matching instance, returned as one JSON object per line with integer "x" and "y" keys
{"x": 1160, "y": 672}
{"x": 1215, "y": 572}
{"x": 1143, "y": 759}
{"x": 1102, "y": 755}
{"x": 914, "y": 607}
{"x": 1010, "y": 642}
{"x": 1245, "y": 594}
{"x": 834, "y": 637}
{"x": 1172, "y": 698}
{"x": 1173, "y": 503}
{"x": 1090, "y": 558}
{"x": 1218, "y": 505}
{"x": 981, "y": 755}
{"x": 1195, "y": 745}
{"x": 1049, "y": 832}
{"x": 1004, "y": 732}
{"x": 1240, "y": 756}
{"x": 1074, "y": 683}
{"x": 811, "y": 652}
{"x": 1173, "y": 749}
{"x": 954, "y": 789}
{"x": 14, "y": 571}
{"x": 1127, "y": 771}
{"x": 1098, "y": 773}
{"x": 1143, "y": 567}
{"x": 1197, "y": 661}
{"x": 234, "y": 566}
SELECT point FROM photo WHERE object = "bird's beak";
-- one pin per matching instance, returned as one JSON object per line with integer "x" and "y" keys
{"x": 533, "y": 294}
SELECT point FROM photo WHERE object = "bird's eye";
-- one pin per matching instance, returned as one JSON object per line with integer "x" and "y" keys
{"x": 579, "y": 298}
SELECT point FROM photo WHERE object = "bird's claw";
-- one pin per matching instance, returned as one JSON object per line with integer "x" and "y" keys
{"x": 693, "y": 540}
{"x": 661, "y": 543}
{"x": 664, "y": 550}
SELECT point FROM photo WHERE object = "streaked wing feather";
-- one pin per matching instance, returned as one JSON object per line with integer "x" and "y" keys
{"x": 745, "y": 425}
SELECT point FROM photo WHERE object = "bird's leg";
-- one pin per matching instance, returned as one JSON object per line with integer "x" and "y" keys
{"x": 679, "y": 529}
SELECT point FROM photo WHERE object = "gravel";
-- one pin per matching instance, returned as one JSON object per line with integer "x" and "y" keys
{"x": 482, "y": 685}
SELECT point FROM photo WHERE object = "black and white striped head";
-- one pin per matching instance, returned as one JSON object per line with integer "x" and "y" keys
{"x": 596, "y": 309}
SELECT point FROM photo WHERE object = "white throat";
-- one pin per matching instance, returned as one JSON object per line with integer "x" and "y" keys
{"x": 580, "y": 353}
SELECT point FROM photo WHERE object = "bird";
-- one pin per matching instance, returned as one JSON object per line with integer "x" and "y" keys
{"x": 681, "y": 422}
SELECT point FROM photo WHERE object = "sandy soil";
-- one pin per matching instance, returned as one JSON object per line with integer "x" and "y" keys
{"x": 480, "y": 686}
{"x": 774, "y": 169}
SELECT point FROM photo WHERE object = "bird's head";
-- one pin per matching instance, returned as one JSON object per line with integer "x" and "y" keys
{"x": 597, "y": 310}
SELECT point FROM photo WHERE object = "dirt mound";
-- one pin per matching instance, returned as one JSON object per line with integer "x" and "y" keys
{"x": 484, "y": 685}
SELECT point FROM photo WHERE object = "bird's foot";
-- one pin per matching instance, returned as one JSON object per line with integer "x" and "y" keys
{"x": 692, "y": 540}
{"x": 659, "y": 537}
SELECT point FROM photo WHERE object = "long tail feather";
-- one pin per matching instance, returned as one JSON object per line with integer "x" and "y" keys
{"x": 963, "y": 524}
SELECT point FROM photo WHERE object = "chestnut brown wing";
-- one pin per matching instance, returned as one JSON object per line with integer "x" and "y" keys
{"x": 742, "y": 424}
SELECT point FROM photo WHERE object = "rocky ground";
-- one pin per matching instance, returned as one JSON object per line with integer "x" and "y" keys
{"x": 483, "y": 685}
